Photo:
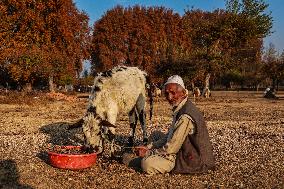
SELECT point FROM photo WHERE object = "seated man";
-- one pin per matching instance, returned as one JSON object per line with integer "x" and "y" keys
{"x": 186, "y": 148}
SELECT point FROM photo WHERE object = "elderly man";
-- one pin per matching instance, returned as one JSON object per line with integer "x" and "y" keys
{"x": 186, "y": 147}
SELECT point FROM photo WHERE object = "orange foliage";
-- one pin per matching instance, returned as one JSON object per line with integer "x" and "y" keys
{"x": 137, "y": 36}
{"x": 162, "y": 42}
{"x": 42, "y": 38}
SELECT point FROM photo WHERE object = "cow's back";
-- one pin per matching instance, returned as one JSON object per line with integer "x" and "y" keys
{"x": 122, "y": 89}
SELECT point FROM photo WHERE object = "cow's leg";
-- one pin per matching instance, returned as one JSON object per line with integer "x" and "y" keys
{"x": 142, "y": 119}
{"x": 111, "y": 116}
{"x": 133, "y": 122}
{"x": 140, "y": 106}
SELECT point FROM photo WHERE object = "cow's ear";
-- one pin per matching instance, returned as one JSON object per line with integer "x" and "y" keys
{"x": 106, "y": 124}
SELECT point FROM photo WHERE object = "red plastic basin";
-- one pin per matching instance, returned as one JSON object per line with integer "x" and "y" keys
{"x": 72, "y": 161}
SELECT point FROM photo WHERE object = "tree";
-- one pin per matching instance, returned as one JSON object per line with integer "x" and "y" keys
{"x": 281, "y": 67}
{"x": 199, "y": 45}
{"x": 233, "y": 6}
{"x": 48, "y": 38}
{"x": 255, "y": 12}
{"x": 137, "y": 36}
{"x": 273, "y": 65}
{"x": 253, "y": 23}
{"x": 232, "y": 77}
{"x": 211, "y": 35}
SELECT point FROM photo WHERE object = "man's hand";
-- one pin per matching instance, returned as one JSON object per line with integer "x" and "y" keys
{"x": 141, "y": 150}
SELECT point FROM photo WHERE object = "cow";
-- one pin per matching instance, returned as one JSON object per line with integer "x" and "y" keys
{"x": 116, "y": 91}
{"x": 196, "y": 92}
{"x": 207, "y": 92}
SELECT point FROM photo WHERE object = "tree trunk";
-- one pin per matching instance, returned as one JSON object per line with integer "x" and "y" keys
{"x": 273, "y": 83}
{"x": 51, "y": 84}
{"x": 7, "y": 87}
{"x": 206, "y": 83}
{"x": 231, "y": 85}
{"x": 192, "y": 85}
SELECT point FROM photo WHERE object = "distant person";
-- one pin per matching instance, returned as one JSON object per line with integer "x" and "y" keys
{"x": 186, "y": 147}
{"x": 266, "y": 90}
{"x": 269, "y": 93}
{"x": 196, "y": 92}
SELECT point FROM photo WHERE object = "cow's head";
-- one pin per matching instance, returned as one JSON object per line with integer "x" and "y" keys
{"x": 96, "y": 131}
{"x": 93, "y": 132}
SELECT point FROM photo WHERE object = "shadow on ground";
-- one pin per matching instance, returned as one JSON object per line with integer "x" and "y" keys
{"x": 9, "y": 175}
{"x": 60, "y": 135}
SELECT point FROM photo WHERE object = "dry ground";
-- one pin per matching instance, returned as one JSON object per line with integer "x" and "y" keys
{"x": 247, "y": 133}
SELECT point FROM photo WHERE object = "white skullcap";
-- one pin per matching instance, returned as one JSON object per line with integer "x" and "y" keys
{"x": 175, "y": 79}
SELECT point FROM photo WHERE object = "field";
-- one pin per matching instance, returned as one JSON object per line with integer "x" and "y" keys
{"x": 246, "y": 130}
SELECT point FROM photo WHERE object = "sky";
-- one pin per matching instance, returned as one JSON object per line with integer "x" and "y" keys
{"x": 96, "y": 9}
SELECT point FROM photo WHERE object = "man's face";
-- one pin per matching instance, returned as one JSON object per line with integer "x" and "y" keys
{"x": 174, "y": 93}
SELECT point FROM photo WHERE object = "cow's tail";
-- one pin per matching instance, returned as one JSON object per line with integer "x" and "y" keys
{"x": 150, "y": 94}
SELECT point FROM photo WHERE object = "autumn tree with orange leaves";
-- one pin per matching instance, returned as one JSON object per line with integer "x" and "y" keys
{"x": 200, "y": 45}
{"x": 47, "y": 39}
{"x": 137, "y": 36}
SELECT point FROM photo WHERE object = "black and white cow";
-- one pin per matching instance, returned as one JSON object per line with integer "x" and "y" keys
{"x": 117, "y": 91}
